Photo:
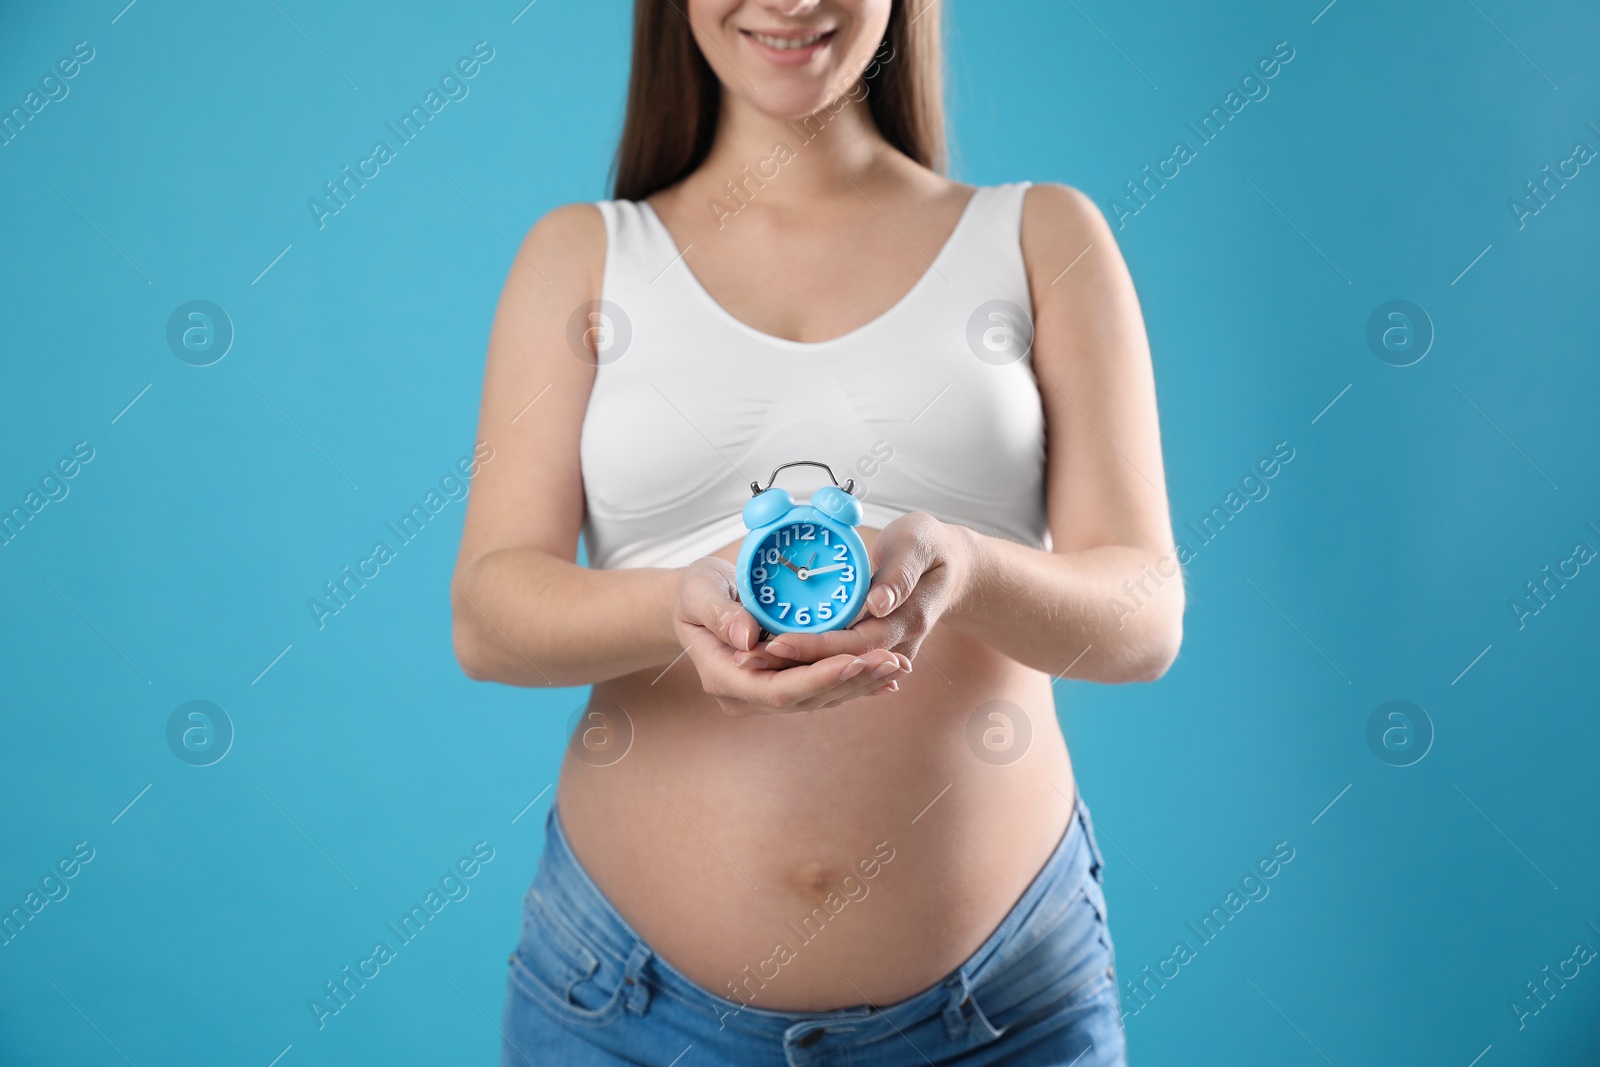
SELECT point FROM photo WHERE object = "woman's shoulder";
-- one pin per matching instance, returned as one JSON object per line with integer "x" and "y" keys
{"x": 1058, "y": 223}
{"x": 567, "y": 243}
{"x": 570, "y": 229}
{"x": 1053, "y": 205}
{"x": 1046, "y": 207}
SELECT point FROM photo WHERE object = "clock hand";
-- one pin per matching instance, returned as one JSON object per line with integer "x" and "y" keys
{"x": 786, "y": 563}
{"x": 827, "y": 570}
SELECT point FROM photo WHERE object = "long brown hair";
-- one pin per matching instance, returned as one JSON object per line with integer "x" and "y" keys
{"x": 674, "y": 97}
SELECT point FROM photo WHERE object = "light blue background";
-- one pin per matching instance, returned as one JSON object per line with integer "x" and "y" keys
{"x": 1416, "y": 507}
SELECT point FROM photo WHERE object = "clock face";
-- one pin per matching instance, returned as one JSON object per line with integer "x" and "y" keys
{"x": 805, "y": 576}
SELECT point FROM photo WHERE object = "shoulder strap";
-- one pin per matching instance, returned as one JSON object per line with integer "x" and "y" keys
{"x": 997, "y": 210}
{"x": 986, "y": 251}
{"x": 638, "y": 246}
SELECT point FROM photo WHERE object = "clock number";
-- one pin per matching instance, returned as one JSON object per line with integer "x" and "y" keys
{"x": 766, "y": 594}
{"x": 847, "y": 575}
{"x": 824, "y": 535}
{"x": 785, "y": 609}
{"x": 803, "y": 616}
{"x": 841, "y": 554}
{"x": 759, "y": 574}
{"x": 839, "y": 594}
{"x": 773, "y": 555}
{"x": 824, "y": 611}
{"x": 809, "y": 532}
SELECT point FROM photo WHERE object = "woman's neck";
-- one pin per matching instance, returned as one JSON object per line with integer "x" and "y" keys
{"x": 797, "y": 161}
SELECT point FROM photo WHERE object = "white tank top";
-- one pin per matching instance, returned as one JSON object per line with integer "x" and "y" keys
{"x": 932, "y": 406}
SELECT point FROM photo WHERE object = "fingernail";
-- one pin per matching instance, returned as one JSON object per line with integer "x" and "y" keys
{"x": 754, "y": 663}
{"x": 883, "y": 670}
{"x": 739, "y": 632}
{"x": 892, "y": 687}
{"x": 880, "y": 601}
{"x": 853, "y": 668}
{"x": 781, "y": 648}
{"x": 905, "y": 663}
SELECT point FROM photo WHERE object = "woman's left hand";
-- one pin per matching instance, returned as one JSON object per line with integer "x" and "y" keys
{"x": 921, "y": 568}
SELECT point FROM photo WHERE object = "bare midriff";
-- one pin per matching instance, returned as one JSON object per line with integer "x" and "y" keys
{"x": 816, "y": 860}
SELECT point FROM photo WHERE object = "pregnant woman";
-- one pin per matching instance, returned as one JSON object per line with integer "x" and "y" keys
{"x": 857, "y": 847}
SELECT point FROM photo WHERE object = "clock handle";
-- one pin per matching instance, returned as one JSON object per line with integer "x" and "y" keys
{"x": 756, "y": 489}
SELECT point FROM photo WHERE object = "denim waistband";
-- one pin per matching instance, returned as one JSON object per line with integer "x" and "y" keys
{"x": 565, "y": 885}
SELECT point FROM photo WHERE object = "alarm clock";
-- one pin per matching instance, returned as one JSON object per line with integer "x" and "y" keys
{"x": 803, "y": 567}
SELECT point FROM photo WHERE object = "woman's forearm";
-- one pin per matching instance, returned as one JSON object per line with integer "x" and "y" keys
{"x": 524, "y": 617}
{"x": 1106, "y": 614}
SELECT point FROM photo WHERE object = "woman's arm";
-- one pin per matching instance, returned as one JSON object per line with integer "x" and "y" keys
{"x": 1109, "y": 520}
{"x": 524, "y": 612}
{"x": 1059, "y": 612}
{"x": 1107, "y": 603}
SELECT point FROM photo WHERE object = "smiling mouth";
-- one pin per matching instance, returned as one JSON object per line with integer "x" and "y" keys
{"x": 788, "y": 44}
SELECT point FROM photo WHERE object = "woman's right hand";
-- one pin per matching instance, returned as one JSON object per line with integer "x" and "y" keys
{"x": 719, "y": 635}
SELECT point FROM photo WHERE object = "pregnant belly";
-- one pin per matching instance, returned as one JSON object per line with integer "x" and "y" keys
{"x": 816, "y": 860}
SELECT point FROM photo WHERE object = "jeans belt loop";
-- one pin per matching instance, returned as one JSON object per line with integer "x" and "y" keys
{"x": 633, "y": 977}
{"x": 1086, "y": 821}
{"x": 958, "y": 1009}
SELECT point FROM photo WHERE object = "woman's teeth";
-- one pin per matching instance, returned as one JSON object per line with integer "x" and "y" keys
{"x": 786, "y": 44}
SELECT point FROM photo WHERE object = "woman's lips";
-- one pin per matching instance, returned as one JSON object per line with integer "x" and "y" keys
{"x": 788, "y": 49}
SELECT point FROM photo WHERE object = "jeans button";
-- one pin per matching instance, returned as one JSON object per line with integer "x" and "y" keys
{"x": 811, "y": 1038}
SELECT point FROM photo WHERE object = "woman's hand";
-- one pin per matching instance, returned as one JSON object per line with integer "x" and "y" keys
{"x": 921, "y": 569}
{"x": 719, "y": 635}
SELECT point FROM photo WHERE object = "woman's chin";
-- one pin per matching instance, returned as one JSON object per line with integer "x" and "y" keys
{"x": 817, "y": 104}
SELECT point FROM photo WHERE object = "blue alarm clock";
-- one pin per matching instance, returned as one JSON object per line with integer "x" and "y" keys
{"x": 802, "y": 567}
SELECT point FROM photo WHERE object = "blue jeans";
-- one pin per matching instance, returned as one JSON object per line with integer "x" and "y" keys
{"x": 586, "y": 991}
